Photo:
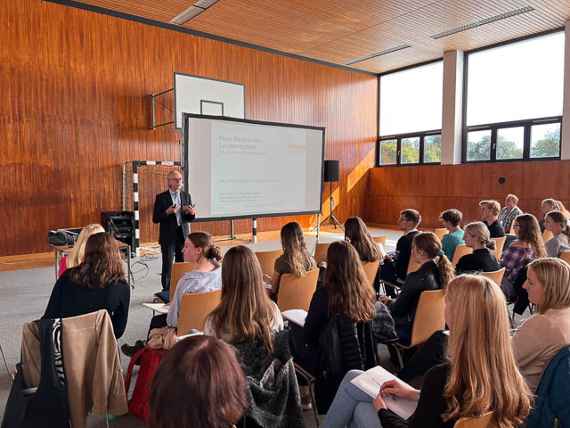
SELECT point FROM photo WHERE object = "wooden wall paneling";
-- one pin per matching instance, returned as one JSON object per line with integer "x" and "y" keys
{"x": 75, "y": 111}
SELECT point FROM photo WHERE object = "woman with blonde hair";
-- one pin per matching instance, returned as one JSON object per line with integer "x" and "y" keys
{"x": 78, "y": 251}
{"x": 527, "y": 247}
{"x": 435, "y": 273}
{"x": 477, "y": 236}
{"x": 509, "y": 212}
{"x": 541, "y": 336}
{"x": 557, "y": 223}
{"x": 356, "y": 232}
{"x": 245, "y": 312}
{"x": 295, "y": 258}
{"x": 472, "y": 383}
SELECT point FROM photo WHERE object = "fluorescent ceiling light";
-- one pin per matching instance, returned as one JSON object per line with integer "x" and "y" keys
{"x": 193, "y": 11}
{"x": 377, "y": 54}
{"x": 481, "y": 22}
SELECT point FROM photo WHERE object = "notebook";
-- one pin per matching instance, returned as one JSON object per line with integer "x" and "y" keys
{"x": 296, "y": 316}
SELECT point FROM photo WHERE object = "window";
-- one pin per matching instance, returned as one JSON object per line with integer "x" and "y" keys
{"x": 514, "y": 100}
{"x": 410, "y": 115}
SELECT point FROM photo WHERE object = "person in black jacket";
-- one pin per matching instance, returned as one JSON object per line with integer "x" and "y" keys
{"x": 435, "y": 272}
{"x": 481, "y": 260}
{"x": 395, "y": 266}
{"x": 473, "y": 382}
{"x": 490, "y": 211}
{"x": 97, "y": 283}
{"x": 172, "y": 210}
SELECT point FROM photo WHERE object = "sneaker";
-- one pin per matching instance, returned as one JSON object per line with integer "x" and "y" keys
{"x": 129, "y": 350}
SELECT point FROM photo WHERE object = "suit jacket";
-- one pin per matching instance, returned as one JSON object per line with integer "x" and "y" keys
{"x": 168, "y": 224}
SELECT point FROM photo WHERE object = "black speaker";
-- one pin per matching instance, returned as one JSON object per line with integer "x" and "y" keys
{"x": 331, "y": 171}
{"x": 121, "y": 224}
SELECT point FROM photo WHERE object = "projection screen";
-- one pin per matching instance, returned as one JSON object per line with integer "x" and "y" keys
{"x": 240, "y": 168}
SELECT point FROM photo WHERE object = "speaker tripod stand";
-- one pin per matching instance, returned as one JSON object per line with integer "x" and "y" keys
{"x": 331, "y": 219}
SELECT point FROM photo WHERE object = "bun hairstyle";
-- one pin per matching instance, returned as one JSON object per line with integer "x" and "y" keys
{"x": 204, "y": 241}
{"x": 430, "y": 245}
{"x": 479, "y": 230}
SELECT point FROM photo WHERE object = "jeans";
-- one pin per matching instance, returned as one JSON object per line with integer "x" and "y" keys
{"x": 351, "y": 407}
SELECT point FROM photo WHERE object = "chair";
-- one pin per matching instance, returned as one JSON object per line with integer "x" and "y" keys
{"x": 499, "y": 245}
{"x": 496, "y": 276}
{"x": 460, "y": 251}
{"x": 295, "y": 292}
{"x": 371, "y": 269}
{"x": 267, "y": 260}
{"x": 380, "y": 240}
{"x": 483, "y": 421}
{"x": 565, "y": 255}
{"x": 321, "y": 252}
{"x": 195, "y": 308}
{"x": 429, "y": 318}
{"x": 178, "y": 269}
{"x": 547, "y": 235}
{"x": 440, "y": 232}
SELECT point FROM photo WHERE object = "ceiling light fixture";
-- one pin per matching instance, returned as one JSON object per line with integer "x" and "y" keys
{"x": 481, "y": 22}
{"x": 192, "y": 12}
{"x": 377, "y": 54}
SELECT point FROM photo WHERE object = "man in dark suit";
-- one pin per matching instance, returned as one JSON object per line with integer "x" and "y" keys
{"x": 172, "y": 210}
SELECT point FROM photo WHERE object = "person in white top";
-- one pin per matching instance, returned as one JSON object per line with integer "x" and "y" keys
{"x": 206, "y": 276}
{"x": 246, "y": 312}
{"x": 557, "y": 222}
{"x": 544, "y": 334}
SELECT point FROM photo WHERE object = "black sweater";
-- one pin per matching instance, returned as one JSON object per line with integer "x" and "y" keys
{"x": 404, "y": 252}
{"x": 480, "y": 260}
{"x": 495, "y": 229}
{"x": 69, "y": 299}
{"x": 430, "y": 406}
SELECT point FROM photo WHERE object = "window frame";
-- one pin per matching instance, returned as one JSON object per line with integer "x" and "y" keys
{"x": 399, "y": 138}
{"x": 494, "y": 127}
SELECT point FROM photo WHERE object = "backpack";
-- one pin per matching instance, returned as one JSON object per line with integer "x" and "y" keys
{"x": 139, "y": 404}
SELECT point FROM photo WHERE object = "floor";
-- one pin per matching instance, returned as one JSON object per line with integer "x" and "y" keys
{"x": 24, "y": 294}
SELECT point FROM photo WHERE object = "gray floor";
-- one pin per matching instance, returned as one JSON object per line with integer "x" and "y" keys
{"x": 24, "y": 295}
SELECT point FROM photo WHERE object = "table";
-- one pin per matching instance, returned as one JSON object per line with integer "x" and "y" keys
{"x": 60, "y": 250}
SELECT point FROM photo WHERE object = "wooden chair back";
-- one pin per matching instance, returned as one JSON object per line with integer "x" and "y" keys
{"x": 178, "y": 269}
{"x": 483, "y": 421}
{"x": 499, "y": 245}
{"x": 195, "y": 308}
{"x": 296, "y": 292}
{"x": 440, "y": 232}
{"x": 430, "y": 316}
{"x": 267, "y": 260}
{"x": 460, "y": 251}
{"x": 371, "y": 269}
{"x": 565, "y": 255}
{"x": 496, "y": 276}
{"x": 321, "y": 251}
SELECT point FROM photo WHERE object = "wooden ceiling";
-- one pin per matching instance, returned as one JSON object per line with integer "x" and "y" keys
{"x": 340, "y": 32}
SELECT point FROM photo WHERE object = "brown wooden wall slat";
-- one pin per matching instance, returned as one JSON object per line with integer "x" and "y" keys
{"x": 73, "y": 111}
{"x": 432, "y": 189}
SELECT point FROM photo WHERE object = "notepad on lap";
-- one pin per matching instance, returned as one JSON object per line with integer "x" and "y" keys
{"x": 372, "y": 380}
{"x": 161, "y": 308}
{"x": 296, "y": 316}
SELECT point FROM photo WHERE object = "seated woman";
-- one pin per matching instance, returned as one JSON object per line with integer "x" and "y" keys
{"x": 528, "y": 246}
{"x": 204, "y": 371}
{"x": 78, "y": 251}
{"x": 540, "y": 337}
{"x": 477, "y": 236}
{"x": 451, "y": 220}
{"x": 295, "y": 258}
{"x": 546, "y": 206}
{"x": 470, "y": 384}
{"x": 245, "y": 312}
{"x": 206, "y": 276}
{"x": 557, "y": 223}
{"x": 435, "y": 273}
{"x": 509, "y": 212}
{"x": 356, "y": 232}
{"x": 97, "y": 283}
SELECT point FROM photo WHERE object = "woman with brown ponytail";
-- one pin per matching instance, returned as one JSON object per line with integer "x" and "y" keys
{"x": 435, "y": 273}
